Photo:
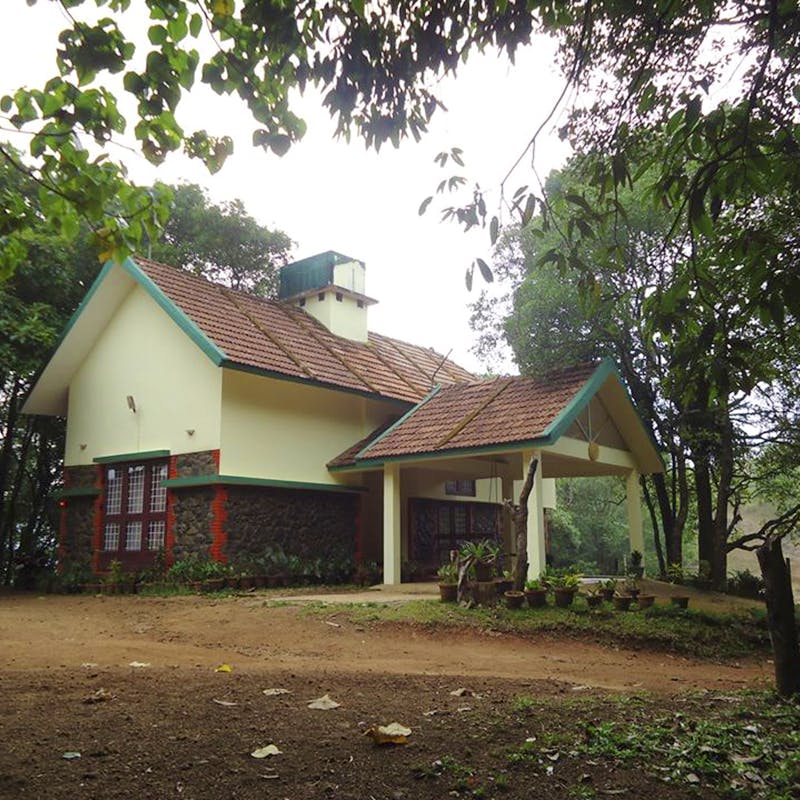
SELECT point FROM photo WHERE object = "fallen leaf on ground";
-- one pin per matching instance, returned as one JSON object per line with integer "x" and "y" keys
{"x": 71, "y": 755}
{"x": 393, "y": 733}
{"x": 226, "y": 703}
{"x": 139, "y": 664}
{"x": 274, "y": 692}
{"x": 88, "y": 664}
{"x": 462, "y": 692}
{"x": 324, "y": 703}
{"x": 224, "y": 668}
{"x": 263, "y": 752}
{"x": 100, "y": 696}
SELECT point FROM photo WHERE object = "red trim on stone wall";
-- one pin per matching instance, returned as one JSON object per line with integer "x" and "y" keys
{"x": 97, "y": 542}
{"x": 169, "y": 535}
{"x": 215, "y": 456}
{"x": 219, "y": 516}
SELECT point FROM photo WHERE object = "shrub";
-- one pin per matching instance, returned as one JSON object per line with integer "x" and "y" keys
{"x": 745, "y": 584}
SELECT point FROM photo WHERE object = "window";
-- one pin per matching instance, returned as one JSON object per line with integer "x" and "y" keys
{"x": 360, "y": 303}
{"x": 339, "y": 297}
{"x": 135, "y": 512}
{"x": 321, "y": 296}
{"x": 465, "y": 488}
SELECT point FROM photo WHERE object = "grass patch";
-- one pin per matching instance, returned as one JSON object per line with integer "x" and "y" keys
{"x": 701, "y": 634}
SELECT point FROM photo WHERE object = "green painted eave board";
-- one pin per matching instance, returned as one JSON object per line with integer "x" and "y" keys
{"x": 77, "y": 491}
{"x": 175, "y": 314}
{"x": 145, "y": 455}
{"x": 241, "y": 480}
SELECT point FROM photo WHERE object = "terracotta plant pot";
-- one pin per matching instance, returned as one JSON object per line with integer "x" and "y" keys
{"x": 448, "y": 592}
{"x": 680, "y": 601}
{"x": 213, "y": 585}
{"x": 246, "y": 582}
{"x": 514, "y": 599}
{"x": 594, "y": 600}
{"x": 622, "y": 602}
{"x": 607, "y": 594}
{"x": 537, "y": 598}
{"x": 634, "y": 593}
{"x": 196, "y": 586}
{"x": 564, "y": 596}
{"x": 646, "y": 600}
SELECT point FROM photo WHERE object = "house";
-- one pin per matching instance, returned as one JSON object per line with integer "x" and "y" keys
{"x": 202, "y": 419}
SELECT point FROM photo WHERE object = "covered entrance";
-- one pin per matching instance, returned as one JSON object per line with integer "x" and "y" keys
{"x": 576, "y": 423}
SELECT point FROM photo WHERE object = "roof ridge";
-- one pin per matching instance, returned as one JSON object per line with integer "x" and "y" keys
{"x": 461, "y": 424}
{"x": 394, "y": 342}
{"x": 225, "y": 292}
{"x": 376, "y": 352}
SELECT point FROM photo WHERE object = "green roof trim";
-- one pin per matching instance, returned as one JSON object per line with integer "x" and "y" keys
{"x": 411, "y": 411}
{"x": 176, "y": 314}
{"x": 77, "y": 491}
{"x": 241, "y": 480}
{"x": 486, "y": 449}
{"x": 558, "y": 427}
{"x": 145, "y": 455}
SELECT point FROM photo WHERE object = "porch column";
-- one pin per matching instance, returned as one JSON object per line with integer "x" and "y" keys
{"x": 633, "y": 503}
{"x": 537, "y": 561}
{"x": 392, "y": 558}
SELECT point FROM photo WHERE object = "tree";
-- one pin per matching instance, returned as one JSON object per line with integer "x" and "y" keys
{"x": 222, "y": 242}
{"x": 699, "y": 355}
{"x": 632, "y": 69}
{"x": 35, "y": 304}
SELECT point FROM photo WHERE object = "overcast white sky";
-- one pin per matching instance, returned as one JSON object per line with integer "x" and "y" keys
{"x": 329, "y": 195}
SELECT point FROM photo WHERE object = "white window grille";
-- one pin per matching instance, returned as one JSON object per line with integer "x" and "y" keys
{"x": 135, "y": 489}
{"x": 158, "y": 493}
{"x": 155, "y": 535}
{"x": 111, "y": 537}
{"x": 113, "y": 491}
{"x": 133, "y": 536}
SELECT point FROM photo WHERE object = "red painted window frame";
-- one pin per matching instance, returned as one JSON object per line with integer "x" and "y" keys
{"x": 131, "y": 560}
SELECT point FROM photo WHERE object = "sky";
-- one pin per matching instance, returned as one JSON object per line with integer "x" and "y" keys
{"x": 328, "y": 194}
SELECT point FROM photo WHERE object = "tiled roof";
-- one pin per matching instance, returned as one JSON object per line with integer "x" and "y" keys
{"x": 478, "y": 414}
{"x": 279, "y": 338}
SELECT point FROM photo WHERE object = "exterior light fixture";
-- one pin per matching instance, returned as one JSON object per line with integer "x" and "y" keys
{"x": 131, "y": 403}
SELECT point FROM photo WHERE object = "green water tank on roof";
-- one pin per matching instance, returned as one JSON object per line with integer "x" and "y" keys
{"x": 314, "y": 272}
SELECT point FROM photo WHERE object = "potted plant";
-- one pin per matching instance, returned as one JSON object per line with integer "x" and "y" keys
{"x": 514, "y": 598}
{"x": 504, "y": 583}
{"x": 565, "y": 587}
{"x": 480, "y": 556}
{"x": 635, "y": 565}
{"x": 645, "y": 600}
{"x": 632, "y": 587}
{"x": 593, "y": 596}
{"x": 675, "y": 576}
{"x": 608, "y": 589}
{"x": 622, "y": 602}
{"x": 113, "y": 581}
{"x": 536, "y": 593}
{"x": 448, "y": 582}
{"x": 214, "y": 573}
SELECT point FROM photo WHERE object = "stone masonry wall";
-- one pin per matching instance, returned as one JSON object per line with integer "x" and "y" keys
{"x": 202, "y": 463}
{"x": 80, "y": 477}
{"x": 193, "y": 515}
{"x": 303, "y": 522}
{"x": 78, "y": 535}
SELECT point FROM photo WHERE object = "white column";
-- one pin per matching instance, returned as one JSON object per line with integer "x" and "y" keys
{"x": 392, "y": 559}
{"x": 633, "y": 503}
{"x": 507, "y": 493}
{"x": 536, "y": 551}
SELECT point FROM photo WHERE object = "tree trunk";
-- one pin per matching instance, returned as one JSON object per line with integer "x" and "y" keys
{"x": 662, "y": 565}
{"x": 520, "y": 517}
{"x": 780, "y": 616}
{"x": 705, "y": 513}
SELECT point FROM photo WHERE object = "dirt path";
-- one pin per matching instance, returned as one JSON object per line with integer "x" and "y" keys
{"x": 53, "y": 632}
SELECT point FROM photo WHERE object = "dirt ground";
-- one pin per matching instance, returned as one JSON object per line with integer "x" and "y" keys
{"x": 159, "y": 731}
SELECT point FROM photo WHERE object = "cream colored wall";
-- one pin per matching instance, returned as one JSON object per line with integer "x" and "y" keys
{"x": 283, "y": 430}
{"x": 342, "y": 317}
{"x": 176, "y": 388}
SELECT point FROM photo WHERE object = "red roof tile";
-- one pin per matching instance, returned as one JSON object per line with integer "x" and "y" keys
{"x": 480, "y": 414}
{"x": 276, "y": 337}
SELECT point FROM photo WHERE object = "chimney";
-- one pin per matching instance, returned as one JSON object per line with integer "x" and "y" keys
{"x": 330, "y": 287}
